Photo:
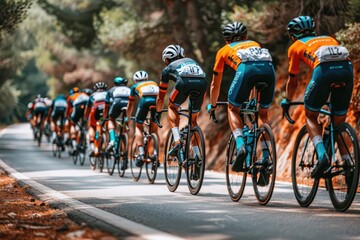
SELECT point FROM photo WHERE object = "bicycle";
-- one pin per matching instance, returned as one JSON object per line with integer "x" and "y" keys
{"x": 262, "y": 170}
{"x": 151, "y": 157}
{"x": 81, "y": 146}
{"x": 58, "y": 144}
{"x": 341, "y": 177}
{"x": 102, "y": 143}
{"x": 119, "y": 153}
{"x": 38, "y": 132}
{"x": 194, "y": 166}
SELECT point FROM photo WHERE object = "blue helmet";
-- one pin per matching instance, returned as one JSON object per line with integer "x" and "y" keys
{"x": 301, "y": 26}
{"x": 118, "y": 81}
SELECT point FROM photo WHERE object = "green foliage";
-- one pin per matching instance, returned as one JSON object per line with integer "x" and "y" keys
{"x": 350, "y": 38}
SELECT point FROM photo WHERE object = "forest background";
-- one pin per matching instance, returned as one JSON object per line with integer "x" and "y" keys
{"x": 49, "y": 46}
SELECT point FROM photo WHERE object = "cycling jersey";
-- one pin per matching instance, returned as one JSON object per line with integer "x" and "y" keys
{"x": 97, "y": 102}
{"x": 39, "y": 107}
{"x": 119, "y": 96}
{"x": 58, "y": 107}
{"x": 188, "y": 76}
{"x": 252, "y": 64}
{"x": 76, "y": 106}
{"x": 147, "y": 92}
{"x": 331, "y": 64}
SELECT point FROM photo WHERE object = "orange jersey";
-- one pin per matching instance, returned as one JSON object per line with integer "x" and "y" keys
{"x": 304, "y": 50}
{"x": 227, "y": 55}
{"x": 71, "y": 99}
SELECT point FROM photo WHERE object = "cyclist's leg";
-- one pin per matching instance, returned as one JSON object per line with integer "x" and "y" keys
{"x": 114, "y": 112}
{"x": 53, "y": 119}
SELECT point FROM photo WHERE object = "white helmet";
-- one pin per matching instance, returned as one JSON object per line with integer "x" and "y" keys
{"x": 173, "y": 51}
{"x": 140, "y": 76}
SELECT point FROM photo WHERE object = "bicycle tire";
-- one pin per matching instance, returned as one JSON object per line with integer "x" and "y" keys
{"x": 302, "y": 164}
{"x": 235, "y": 181}
{"x": 39, "y": 138}
{"x": 54, "y": 149}
{"x": 123, "y": 154}
{"x": 83, "y": 148}
{"x": 265, "y": 172}
{"x": 152, "y": 158}
{"x": 341, "y": 194}
{"x": 75, "y": 156}
{"x": 135, "y": 171}
{"x": 172, "y": 168}
{"x": 195, "y": 171}
{"x": 102, "y": 152}
{"x": 93, "y": 162}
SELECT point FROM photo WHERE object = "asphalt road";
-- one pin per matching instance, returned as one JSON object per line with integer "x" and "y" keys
{"x": 152, "y": 212}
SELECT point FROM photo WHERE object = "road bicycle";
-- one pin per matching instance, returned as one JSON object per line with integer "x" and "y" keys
{"x": 193, "y": 164}
{"x": 341, "y": 176}
{"x": 58, "y": 145}
{"x": 258, "y": 139}
{"x": 151, "y": 157}
{"x": 80, "y": 153}
{"x": 102, "y": 138}
{"x": 118, "y": 154}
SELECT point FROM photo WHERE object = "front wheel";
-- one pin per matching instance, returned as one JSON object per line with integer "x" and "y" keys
{"x": 152, "y": 160}
{"x": 172, "y": 168}
{"x": 264, "y": 171}
{"x": 123, "y": 154}
{"x": 235, "y": 181}
{"x": 302, "y": 164}
{"x": 135, "y": 171}
{"x": 196, "y": 163}
{"x": 344, "y": 176}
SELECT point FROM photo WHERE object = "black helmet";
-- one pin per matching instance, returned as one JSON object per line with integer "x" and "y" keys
{"x": 100, "y": 86}
{"x": 234, "y": 31}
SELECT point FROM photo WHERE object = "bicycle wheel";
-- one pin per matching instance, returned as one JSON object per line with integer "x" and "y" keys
{"x": 123, "y": 154}
{"x": 39, "y": 137}
{"x": 264, "y": 171}
{"x": 343, "y": 181}
{"x": 135, "y": 171}
{"x": 93, "y": 161}
{"x": 152, "y": 158}
{"x": 102, "y": 152}
{"x": 196, "y": 166}
{"x": 235, "y": 181}
{"x": 172, "y": 168}
{"x": 82, "y": 149}
{"x": 302, "y": 164}
{"x": 54, "y": 148}
{"x": 75, "y": 155}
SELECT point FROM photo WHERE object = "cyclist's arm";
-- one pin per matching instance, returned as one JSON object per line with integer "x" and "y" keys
{"x": 160, "y": 98}
{"x": 291, "y": 86}
{"x": 130, "y": 107}
{"x": 215, "y": 87}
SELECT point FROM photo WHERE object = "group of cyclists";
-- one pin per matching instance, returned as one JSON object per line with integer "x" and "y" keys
{"x": 252, "y": 64}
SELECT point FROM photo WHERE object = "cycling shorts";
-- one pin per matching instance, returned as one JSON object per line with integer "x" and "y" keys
{"x": 247, "y": 75}
{"x": 40, "y": 111}
{"x": 319, "y": 88}
{"x": 116, "y": 106}
{"x": 78, "y": 112}
{"x": 182, "y": 89}
{"x": 97, "y": 111}
{"x": 146, "y": 102}
{"x": 58, "y": 112}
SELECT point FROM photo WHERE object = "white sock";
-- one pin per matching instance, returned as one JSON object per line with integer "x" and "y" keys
{"x": 53, "y": 135}
{"x": 238, "y": 133}
{"x": 196, "y": 151}
{"x": 92, "y": 146}
{"x": 66, "y": 136}
{"x": 73, "y": 142}
{"x": 176, "y": 133}
{"x": 141, "y": 150}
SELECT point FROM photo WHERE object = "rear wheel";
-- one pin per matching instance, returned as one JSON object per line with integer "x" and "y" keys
{"x": 102, "y": 152}
{"x": 302, "y": 164}
{"x": 172, "y": 168}
{"x": 264, "y": 171}
{"x": 196, "y": 166}
{"x": 235, "y": 181}
{"x": 135, "y": 171}
{"x": 152, "y": 161}
{"x": 82, "y": 149}
{"x": 343, "y": 183}
{"x": 123, "y": 154}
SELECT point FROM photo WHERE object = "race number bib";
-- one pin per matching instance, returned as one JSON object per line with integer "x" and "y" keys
{"x": 254, "y": 54}
{"x": 331, "y": 53}
{"x": 190, "y": 70}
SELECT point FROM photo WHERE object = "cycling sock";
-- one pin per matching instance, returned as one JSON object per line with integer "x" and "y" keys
{"x": 176, "y": 133}
{"x": 92, "y": 147}
{"x": 265, "y": 145}
{"x": 196, "y": 151}
{"x": 319, "y": 146}
{"x": 73, "y": 142}
{"x": 141, "y": 150}
{"x": 66, "y": 136}
{"x": 238, "y": 135}
{"x": 53, "y": 135}
{"x": 112, "y": 135}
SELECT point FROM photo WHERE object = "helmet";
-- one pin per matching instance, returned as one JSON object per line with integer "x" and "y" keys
{"x": 74, "y": 90}
{"x": 172, "y": 52}
{"x": 100, "y": 85}
{"x": 88, "y": 91}
{"x": 234, "y": 31}
{"x": 301, "y": 26}
{"x": 120, "y": 81}
{"x": 140, "y": 76}
{"x": 38, "y": 96}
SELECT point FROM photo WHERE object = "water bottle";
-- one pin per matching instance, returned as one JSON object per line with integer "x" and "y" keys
{"x": 326, "y": 135}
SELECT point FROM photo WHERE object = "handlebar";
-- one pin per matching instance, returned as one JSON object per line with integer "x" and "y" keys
{"x": 286, "y": 110}
{"x": 212, "y": 115}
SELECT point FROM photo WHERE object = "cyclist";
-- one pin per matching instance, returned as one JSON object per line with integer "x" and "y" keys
{"x": 30, "y": 114}
{"x": 252, "y": 64}
{"x": 120, "y": 98}
{"x": 39, "y": 109}
{"x": 188, "y": 76}
{"x": 77, "y": 101}
{"x": 331, "y": 65}
{"x": 57, "y": 112}
{"x": 147, "y": 91}
{"x": 96, "y": 108}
